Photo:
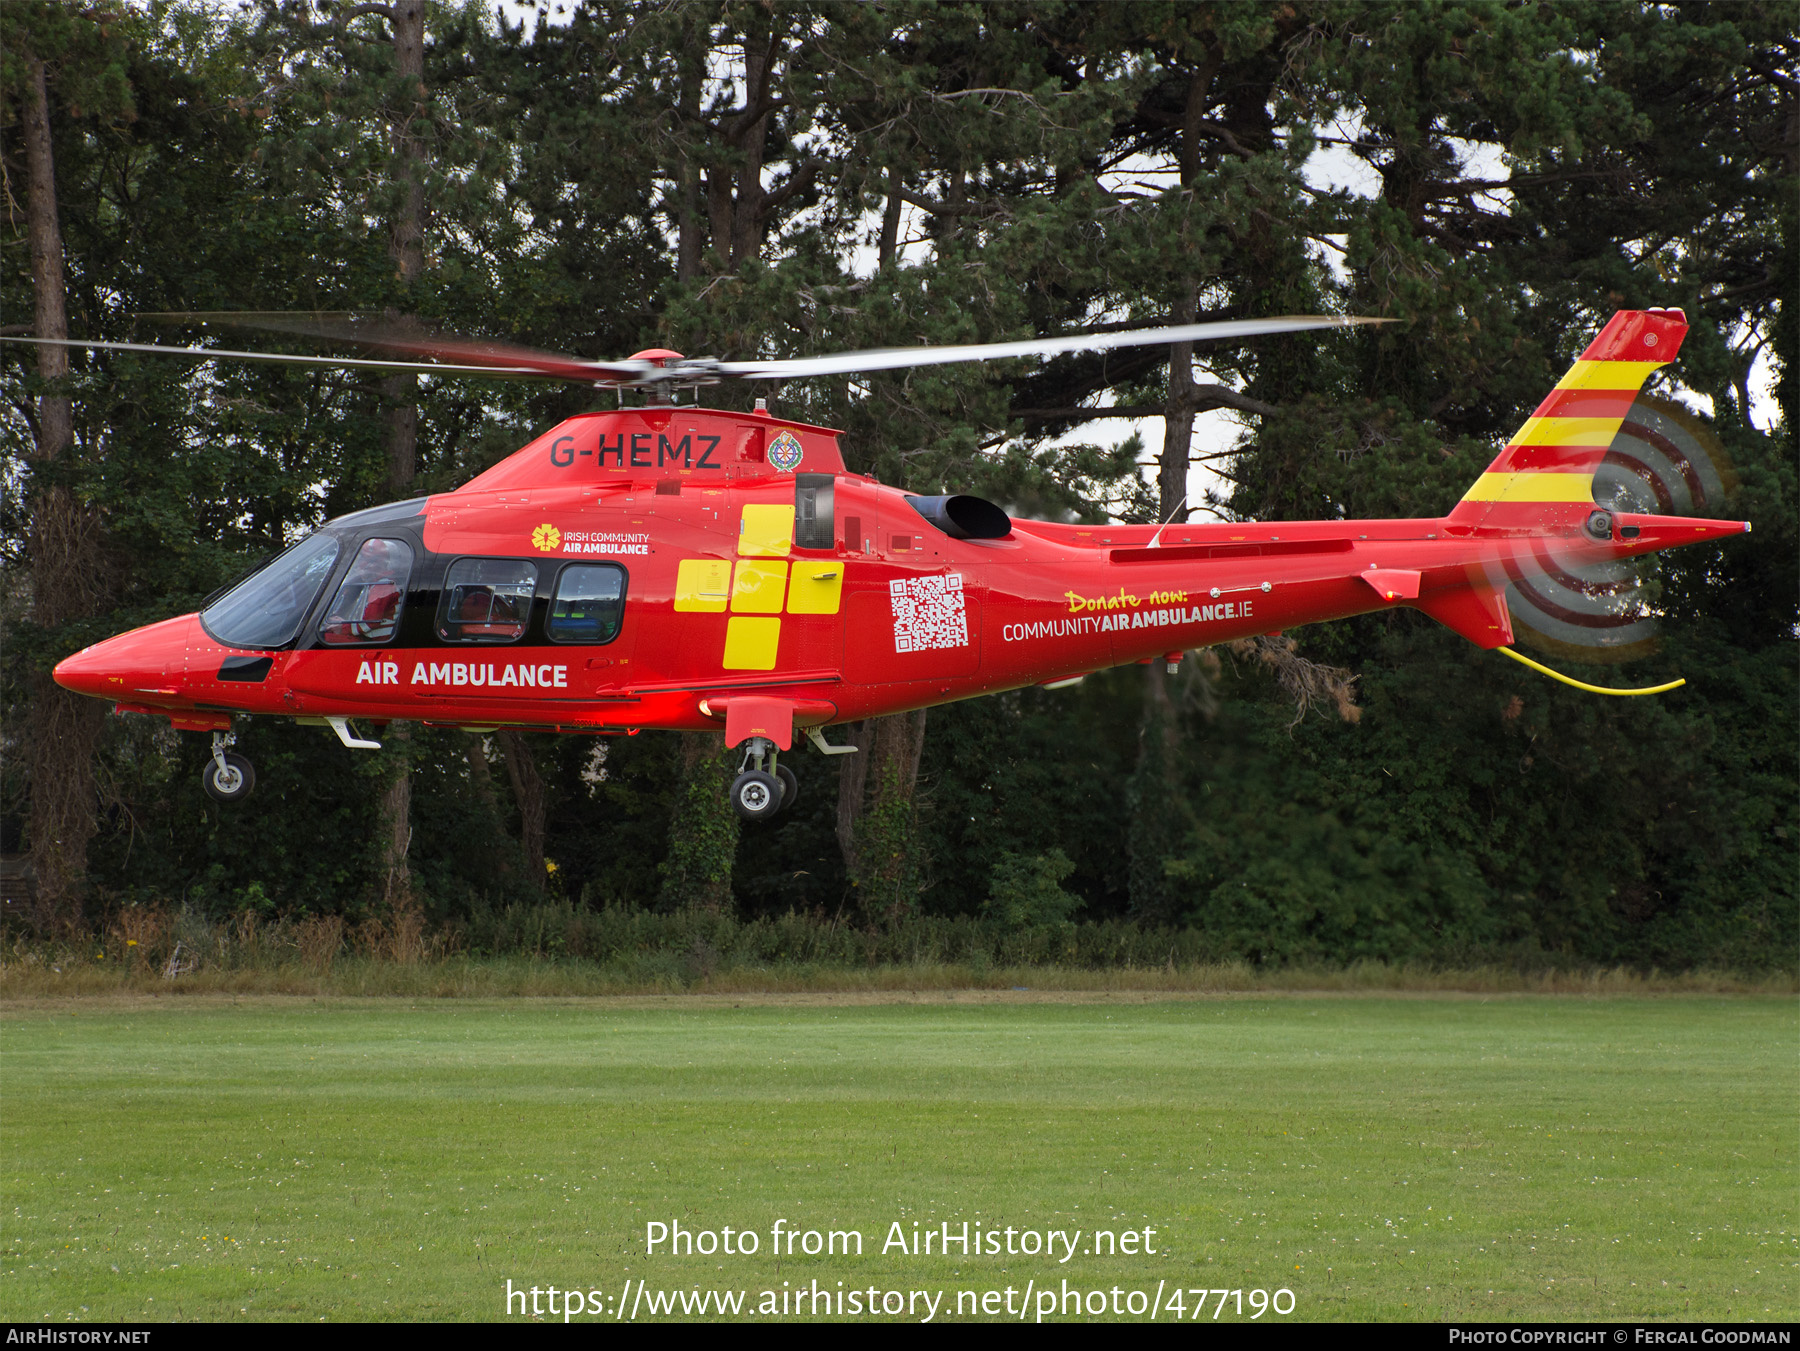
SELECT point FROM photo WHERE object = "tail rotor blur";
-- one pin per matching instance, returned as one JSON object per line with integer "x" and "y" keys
{"x": 1664, "y": 460}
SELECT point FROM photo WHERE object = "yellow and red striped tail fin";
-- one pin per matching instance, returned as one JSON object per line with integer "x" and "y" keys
{"x": 1544, "y": 479}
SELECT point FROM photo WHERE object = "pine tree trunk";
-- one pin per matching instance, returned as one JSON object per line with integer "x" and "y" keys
{"x": 528, "y": 788}
{"x": 889, "y": 249}
{"x": 1153, "y": 800}
{"x": 853, "y": 776}
{"x": 400, "y": 393}
{"x": 406, "y": 229}
{"x": 735, "y": 200}
{"x": 481, "y": 778}
{"x": 1154, "y": 787}
{"x": 883, "y": 860}
{"x": 1178, "y": 408}
{"x": 1178, "y": 421}
{"x": 1153, "y": 793}
{"x": 394, "y": 818}
{"x": 64, "y": 554}
{"x": 690, "y": 232}
{"x": 56, "y": 413}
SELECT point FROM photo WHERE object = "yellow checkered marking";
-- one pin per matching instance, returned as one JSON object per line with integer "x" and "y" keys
{"x": 815, "y": 588}
{"x": 766, "y": 531}
{"x": 758, "y": 587}
{"x": 702, "y": 584}
{"x": 750, "y": 643}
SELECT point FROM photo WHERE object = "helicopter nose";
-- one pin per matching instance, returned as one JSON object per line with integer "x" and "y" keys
{"x": 150, "y": 662}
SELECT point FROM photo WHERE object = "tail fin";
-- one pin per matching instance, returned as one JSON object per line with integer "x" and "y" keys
{"x": 1544, "y": 479}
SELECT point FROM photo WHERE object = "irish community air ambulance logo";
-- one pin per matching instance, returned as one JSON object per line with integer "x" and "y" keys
{"x": 785, "y": 452}
{"x": 546, "y": 537}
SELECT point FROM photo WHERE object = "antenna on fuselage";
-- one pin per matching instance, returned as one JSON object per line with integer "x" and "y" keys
{"x": 1165, "y": 525}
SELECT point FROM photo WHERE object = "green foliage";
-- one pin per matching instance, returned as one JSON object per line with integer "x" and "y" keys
{"x": 1029, "y": 771}
{"x": 1476, "y": 815}
{"x": 703, "y": 836}
{"x": 1026, "y": 892}
{"x": 890, "y": 868}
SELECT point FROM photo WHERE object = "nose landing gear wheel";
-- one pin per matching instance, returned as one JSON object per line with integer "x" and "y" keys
{"x": 756, "y": 796}
{"x": 228, "y": 778}
{"x": 790, "y": 786}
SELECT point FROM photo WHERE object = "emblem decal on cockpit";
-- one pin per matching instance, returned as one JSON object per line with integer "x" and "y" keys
{"x": 785, "y": 452}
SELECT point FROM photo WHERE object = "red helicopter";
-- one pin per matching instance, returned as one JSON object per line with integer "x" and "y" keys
{"x": 685, "y": 568}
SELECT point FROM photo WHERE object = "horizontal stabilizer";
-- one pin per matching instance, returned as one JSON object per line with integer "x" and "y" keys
{"x": 1476, "y": 610}
{"x": 1393, "y": 583}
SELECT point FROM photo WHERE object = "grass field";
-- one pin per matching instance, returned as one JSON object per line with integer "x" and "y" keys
{"x": 1429, "y": 1157}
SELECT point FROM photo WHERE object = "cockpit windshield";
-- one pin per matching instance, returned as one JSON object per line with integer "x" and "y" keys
{"x": 265, "y": 610}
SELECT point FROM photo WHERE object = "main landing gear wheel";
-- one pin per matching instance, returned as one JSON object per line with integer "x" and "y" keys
{"x": 756, "y": 796}
{"x": 763, "y": 788}
{"x": 228, "y": 777}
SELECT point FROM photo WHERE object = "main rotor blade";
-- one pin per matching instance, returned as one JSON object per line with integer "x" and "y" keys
{"x": 496, "y": 360}
{"x": 896, "y": 358}
{"x": 389, "y": 334}
{"x": 618, "y": 372}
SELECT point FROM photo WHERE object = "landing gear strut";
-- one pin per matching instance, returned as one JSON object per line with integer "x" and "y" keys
{"x": 762, "y": 787}
{"x": 228, "y": 776}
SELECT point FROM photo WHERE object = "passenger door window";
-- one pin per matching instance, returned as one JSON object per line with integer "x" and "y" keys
{"x": 589, "y": 605}
{"x": 487, "y": 600}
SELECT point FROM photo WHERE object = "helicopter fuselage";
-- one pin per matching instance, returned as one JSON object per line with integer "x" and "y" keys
{"x": 645, "y": 568}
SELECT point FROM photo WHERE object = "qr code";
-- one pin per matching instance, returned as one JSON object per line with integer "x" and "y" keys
{"x": 928, "y": 612}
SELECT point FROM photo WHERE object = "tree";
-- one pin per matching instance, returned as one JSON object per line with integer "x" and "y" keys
{"x": 79, "y": 53}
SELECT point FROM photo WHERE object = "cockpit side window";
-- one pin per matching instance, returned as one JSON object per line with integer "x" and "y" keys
{"x": 487, "y": 600}
{"x": 265, "y": 609}
{"x": 366, "y": 609}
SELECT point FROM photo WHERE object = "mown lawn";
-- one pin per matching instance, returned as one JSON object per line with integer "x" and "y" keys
{"x": 1525, "y": 1157}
